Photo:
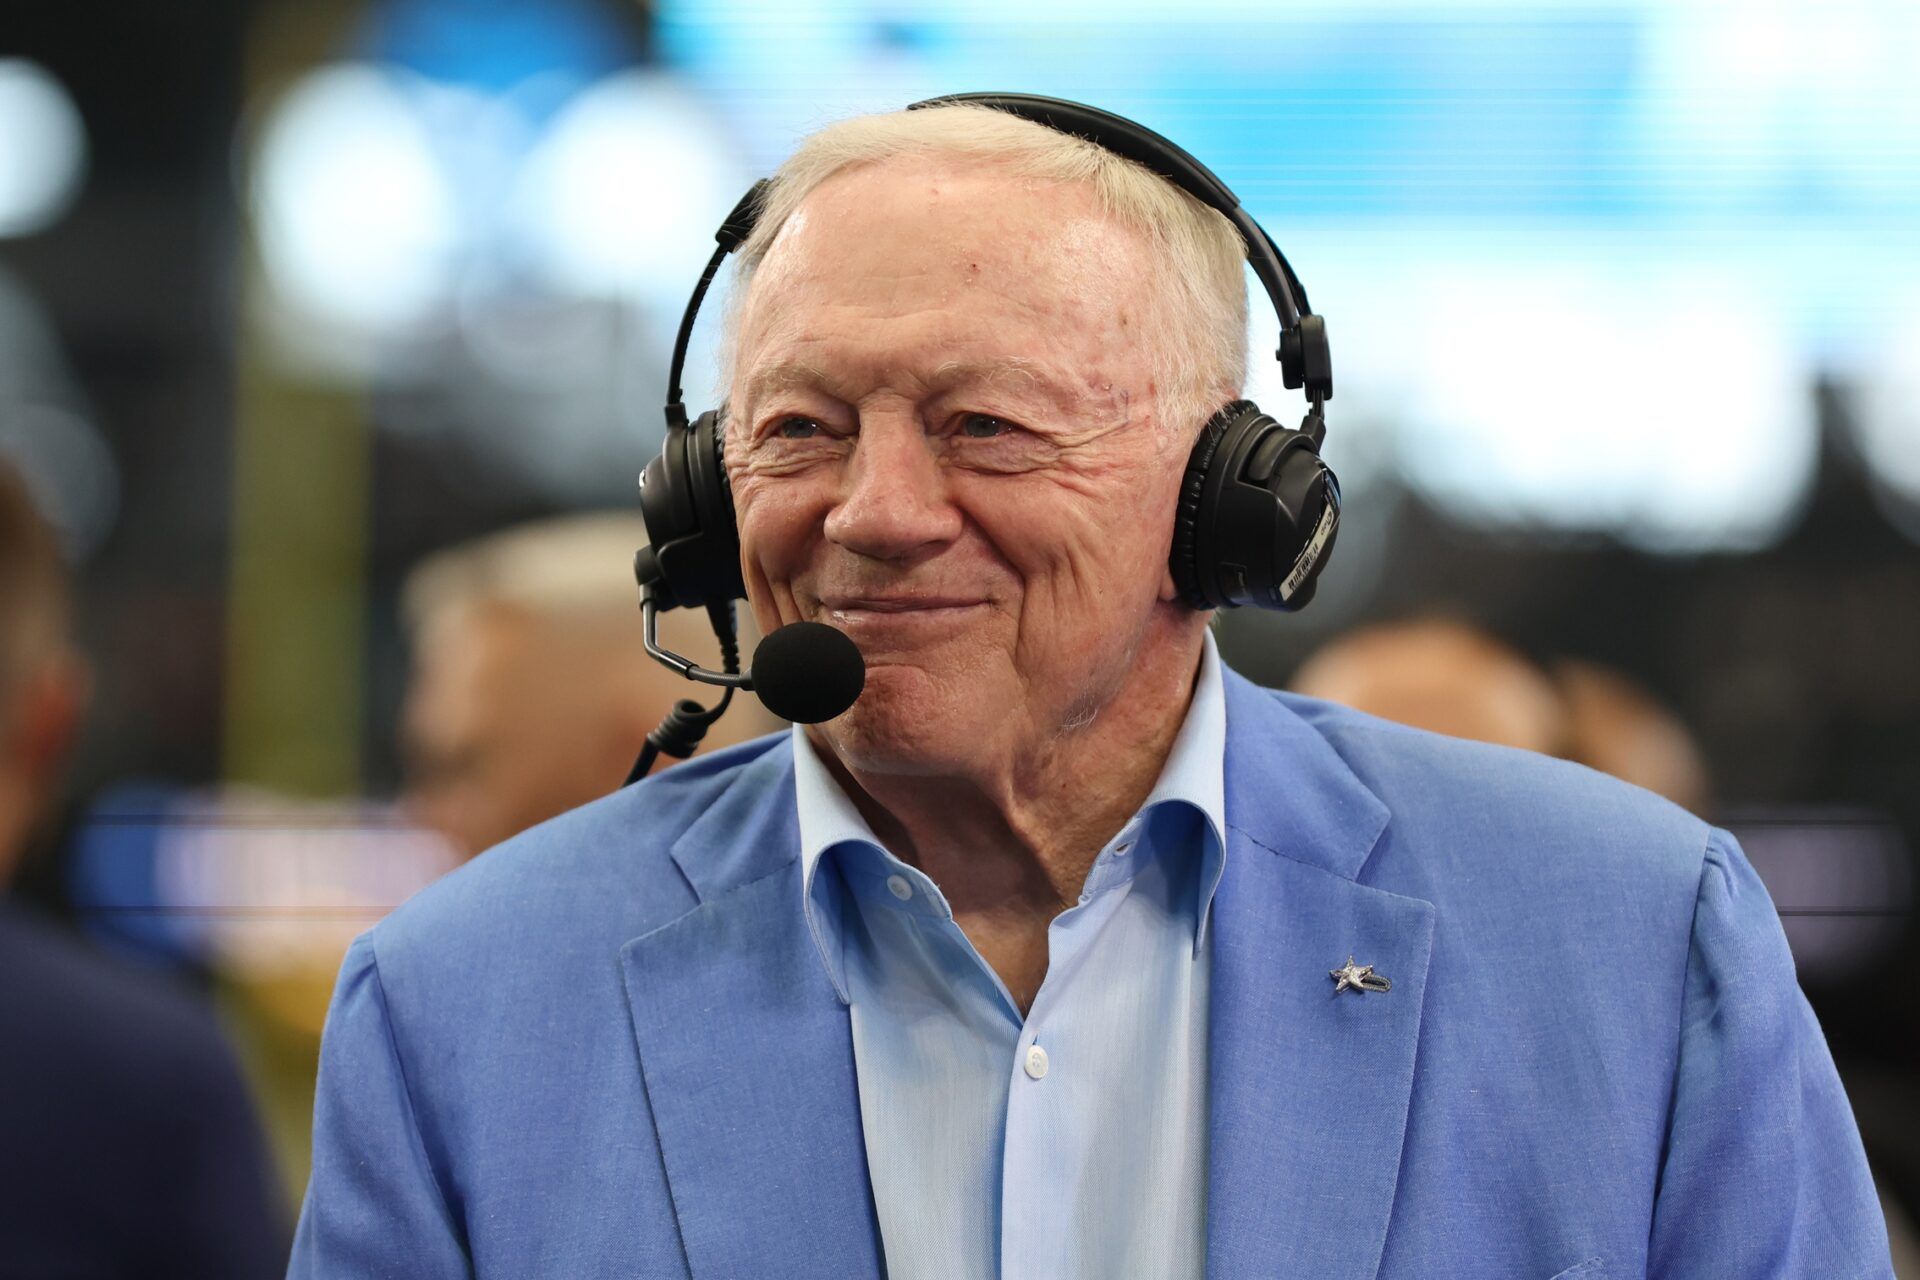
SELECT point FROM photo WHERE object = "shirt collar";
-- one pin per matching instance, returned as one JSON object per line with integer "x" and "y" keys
{"x": 1194, "y": 774}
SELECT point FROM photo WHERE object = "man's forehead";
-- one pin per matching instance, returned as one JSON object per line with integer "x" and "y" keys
{"x": 927, "y": 179}
{"x": 948, "y": 222}
{"x": 1013, "y": 372}
{"x": 924, "y": 274}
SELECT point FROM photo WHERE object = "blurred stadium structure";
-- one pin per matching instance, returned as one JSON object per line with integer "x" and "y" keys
{"x": 1625, "y": 301}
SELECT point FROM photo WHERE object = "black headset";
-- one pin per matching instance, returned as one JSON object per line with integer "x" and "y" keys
{"x": 1258, "y": 509}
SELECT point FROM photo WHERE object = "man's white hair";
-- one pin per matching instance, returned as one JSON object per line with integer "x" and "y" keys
{"x": 1201, "y": 277}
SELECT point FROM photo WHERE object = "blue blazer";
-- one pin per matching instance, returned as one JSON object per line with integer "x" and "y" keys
{"x": 608, "y": 1048}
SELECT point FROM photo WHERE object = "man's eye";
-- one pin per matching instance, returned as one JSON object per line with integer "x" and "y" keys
{"x": 797, "y": 429}
{"x": 980, "y": 426}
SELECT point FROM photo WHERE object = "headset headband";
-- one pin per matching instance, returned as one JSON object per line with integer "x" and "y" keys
{"x": 1303, "y": 353}
{"x": 1162, "y": 156}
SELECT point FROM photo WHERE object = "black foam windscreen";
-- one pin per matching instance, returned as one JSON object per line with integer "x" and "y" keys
{"x": 808, "y": 672}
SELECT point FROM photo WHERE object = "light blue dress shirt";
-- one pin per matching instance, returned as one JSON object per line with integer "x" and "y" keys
{"x": 1069, "y": 1142}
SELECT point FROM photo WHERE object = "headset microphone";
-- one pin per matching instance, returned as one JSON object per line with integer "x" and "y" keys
{"x": 805, "y": 672}
{"x": 808, "y": 672}
{"x": 1254, "y": 524}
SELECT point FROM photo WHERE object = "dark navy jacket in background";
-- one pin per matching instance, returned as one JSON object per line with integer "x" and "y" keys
{"x": 128, "y": 1145}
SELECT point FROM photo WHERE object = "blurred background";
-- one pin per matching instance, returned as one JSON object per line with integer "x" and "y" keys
{"x": 1624, "y": 300}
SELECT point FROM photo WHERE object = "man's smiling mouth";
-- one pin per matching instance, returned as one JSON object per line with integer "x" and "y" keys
{"x": 878, "y": 617}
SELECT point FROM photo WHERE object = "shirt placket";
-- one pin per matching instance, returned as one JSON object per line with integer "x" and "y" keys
{"x": 1039, "y": 1152}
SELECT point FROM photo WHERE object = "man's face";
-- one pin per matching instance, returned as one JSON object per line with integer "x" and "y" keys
{"x": 505, "y": 727}
{"x": 945, "y": 439}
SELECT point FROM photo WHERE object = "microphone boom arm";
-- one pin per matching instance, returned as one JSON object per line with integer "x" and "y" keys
{"x": 679, "y": 734}
{"x": 649, "y": 610}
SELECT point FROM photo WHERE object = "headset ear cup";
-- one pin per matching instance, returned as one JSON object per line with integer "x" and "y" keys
{"x": 693, "y": 553}
{"x": 666, "y": 507}
{"x": 1184, "y": 557}
{"x": 1313, "y": 546}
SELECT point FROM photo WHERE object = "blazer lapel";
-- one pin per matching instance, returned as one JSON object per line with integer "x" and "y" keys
{"x": 747, "y": 1056}
{"x": 1309, "y": 1088}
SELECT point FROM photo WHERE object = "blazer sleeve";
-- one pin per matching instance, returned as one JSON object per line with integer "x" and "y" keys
{"x": 375, "y": 1206}
{"x": 1763, "y": 1173}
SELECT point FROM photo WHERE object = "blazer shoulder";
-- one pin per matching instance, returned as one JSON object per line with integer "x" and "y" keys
{"x": 602, "y": 870}
{"x": 1499, "y": 806}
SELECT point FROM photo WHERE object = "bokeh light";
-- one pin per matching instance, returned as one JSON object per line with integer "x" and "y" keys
{"x": 1887, "y": 428}
{"x": 357, "y": 224}
{"x": 622, "y": 195}
{"x": 43, "y": 147}
{"x": 1669, "y": 413}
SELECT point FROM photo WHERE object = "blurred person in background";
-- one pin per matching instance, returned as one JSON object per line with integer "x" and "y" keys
{"x": 128, "y": 1145}
{"x": 1617, "y": 727}
{"x": 531, "y": 692}
{"x": 1451, "y": 677}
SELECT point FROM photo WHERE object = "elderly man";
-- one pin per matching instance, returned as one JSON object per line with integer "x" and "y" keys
{"x": 1065, "y": 951}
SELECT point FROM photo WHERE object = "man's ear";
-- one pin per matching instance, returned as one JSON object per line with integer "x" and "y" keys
{"x": 36, "y": 736}
{"x": 1169, "y": 593}
{"x": 48, "y": 707}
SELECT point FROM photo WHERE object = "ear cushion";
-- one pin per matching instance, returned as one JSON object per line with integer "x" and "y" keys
{"x": 1184, "y": 557}
{"x": 719, "y": 561}
{"x": 721, "y": 482}
{"x": 735, "y": 587}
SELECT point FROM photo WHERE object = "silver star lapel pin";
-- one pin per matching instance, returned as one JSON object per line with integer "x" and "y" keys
{"x": 1360, "y": 977}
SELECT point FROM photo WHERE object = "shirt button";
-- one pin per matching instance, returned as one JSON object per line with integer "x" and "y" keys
{"x": 899, "y": 887}
{"x": 1036, "y": 1062}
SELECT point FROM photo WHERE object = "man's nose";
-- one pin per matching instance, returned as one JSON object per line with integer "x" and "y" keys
{"x": 894, "y": 502}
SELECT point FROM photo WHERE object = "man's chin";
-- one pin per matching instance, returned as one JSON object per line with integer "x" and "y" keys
{"x": 904, "y": 724}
